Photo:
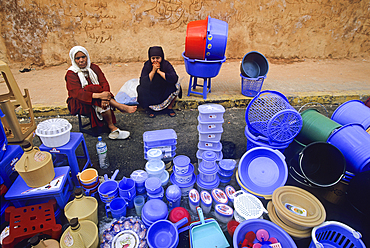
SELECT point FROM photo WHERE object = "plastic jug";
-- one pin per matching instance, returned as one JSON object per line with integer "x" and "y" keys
{"x": 83, "y": 234}
{"x": 35, "y": 167}
{"x": 36, "y": 242}
{"x": 83, "y": 207}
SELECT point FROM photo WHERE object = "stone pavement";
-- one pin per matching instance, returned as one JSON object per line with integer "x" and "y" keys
{"x": 302, "y": 81}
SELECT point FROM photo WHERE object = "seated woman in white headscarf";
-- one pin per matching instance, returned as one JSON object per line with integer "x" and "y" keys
{"x": 89, "y": 93}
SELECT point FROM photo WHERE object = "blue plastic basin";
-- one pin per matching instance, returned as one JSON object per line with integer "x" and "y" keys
{"x": 216, "y": 39}
{"x": 202, "y": 68}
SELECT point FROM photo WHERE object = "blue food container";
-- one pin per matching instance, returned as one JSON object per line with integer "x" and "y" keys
{"x": 210, "y": 127}
{"x": 139, "y": 176}
{"x": 181, "y": 164}
{"x": 164, "y": 137}
{"x": 185, "y": 187}
{"x": 153, "y": 185}
{"x": 207, "y": 186}
{"x": 184, "y": 178}
{"x": 194, "y": 199}
{"x": 219, "y": 197}
{"x": 205, "y": 201}
{"x": 211, "y": 112}
{"x": 227, "y": 166}
{"x": 173, "y": 195}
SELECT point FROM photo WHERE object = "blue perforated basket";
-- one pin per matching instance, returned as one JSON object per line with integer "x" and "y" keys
{"x": 270, "y": 114}
{"x": 335, "y": 234}
{"x": 251, "y": 86}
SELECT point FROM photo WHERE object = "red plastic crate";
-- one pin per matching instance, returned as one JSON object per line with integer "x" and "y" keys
{"x": 25, "y": 222}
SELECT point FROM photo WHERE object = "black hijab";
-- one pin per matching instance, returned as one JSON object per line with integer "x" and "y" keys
{"x": 156, "y": 51}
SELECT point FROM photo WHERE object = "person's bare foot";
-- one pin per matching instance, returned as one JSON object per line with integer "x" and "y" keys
{"x": 127, "y": 108}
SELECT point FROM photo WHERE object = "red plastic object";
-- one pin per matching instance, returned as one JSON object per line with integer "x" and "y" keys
{"x": 179, "y": 213}
{"x": 3, "y": 189}
{"x": 25, "y": 222}
{"x": 231, "y": 226}
{"x": 195, "y": 43}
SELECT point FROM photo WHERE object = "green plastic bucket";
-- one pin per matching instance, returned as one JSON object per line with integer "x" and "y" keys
{"x": 316, "y": 127}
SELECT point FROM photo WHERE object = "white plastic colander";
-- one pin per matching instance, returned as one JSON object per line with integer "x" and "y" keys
{"x": 247, "y": 205}
{"x": 54, "y": 132}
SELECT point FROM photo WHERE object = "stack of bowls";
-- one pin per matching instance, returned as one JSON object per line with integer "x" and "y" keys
{"x": 226, "y": 170}
{"x": 183, "y": 174}
{"x": 296, "y": 211}
{"x": 155, "y": 167}
{"x": 154, "y": 189}
{"x": 152, "y": 211}
{"x": 207, "y": 178}
{"x": 139, "y": 176}
{"x": 89, "y": 180}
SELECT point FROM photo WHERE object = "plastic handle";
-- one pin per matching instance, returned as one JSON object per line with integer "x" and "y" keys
{"x": 181, "y": 222}
{"x": 105, "y": 177}
{"x": 26, "y": 164}
{"x": 114, "y": 174}
{"x": 201, "y": 216}
{"x": 184, "y": 229}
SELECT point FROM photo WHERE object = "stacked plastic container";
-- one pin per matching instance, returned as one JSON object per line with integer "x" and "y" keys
{"x": 226, "y": 170}
{"x": 155, "y": 167}
{"x": 210, "y": 130}
{"x": 183, "y": 174}
{"x": 207, "y": 178}
{"x": 165, "y": 140}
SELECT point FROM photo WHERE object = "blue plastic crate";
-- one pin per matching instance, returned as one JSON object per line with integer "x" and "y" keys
{"x": 3, "y": 139}
{"x": 60, "y": 189}
{"x": 164, "y": 137}
{"x": 7, "y": 165}
{"x": 251, "y": 86}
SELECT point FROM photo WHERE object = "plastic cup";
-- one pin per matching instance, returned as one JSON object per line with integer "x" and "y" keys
{"x": 139, "y": 201}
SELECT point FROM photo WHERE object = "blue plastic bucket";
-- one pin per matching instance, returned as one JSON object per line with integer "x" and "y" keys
{"x": 203, "y": 68}
{"x": 353, "y": 141}
{"x": 108, "y": 190}
{"x": 254, "y": 65}
{"x": 353, "y": 111}
{"x": 216, "y": 39}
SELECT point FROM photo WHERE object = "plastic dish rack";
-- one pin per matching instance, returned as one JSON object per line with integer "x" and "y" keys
{"x": 248, "y": 206}
{"x": 270, "y": 114}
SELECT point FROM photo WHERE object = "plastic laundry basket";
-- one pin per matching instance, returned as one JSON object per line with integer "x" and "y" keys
{"x": 251, "y": 86}
{"x": 270, "y": 114}
{"x": 54, "y": 132}
{"x": 335, "y": 234}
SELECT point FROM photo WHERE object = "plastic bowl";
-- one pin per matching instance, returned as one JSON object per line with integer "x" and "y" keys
{"x": 54, "y": 132}
{"x": 255, "y": 224}
{"x": 202, "y": 68}
{"x": 253, "y": 65}
{"x": 154, "y": 210}
{"x": 179, "y": 213}
{"x": 195, "y": 42}
{"x": 231, "y": 226}
{"x": 153, "y": 185}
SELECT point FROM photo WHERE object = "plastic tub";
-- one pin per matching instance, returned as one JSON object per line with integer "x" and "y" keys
{"x": 155, "y": 166}
{"x": 224, "y": 213}
{"x": 164, "y": 137}
{"x": 207, "y": 186}
{"x": 210, "y": 146}
{"x": 262, "y": 170}
{"x": 229, "y": 190}
{"x": 224, "y": 179}
{"x": 219, "y": 197}
{"x": 185, "y": 178}
{"x": 54, "y": 132}
{"x": 202, "y": 68}
{"x": 168, "y": 153}
{"x": 156, "y": 196}
{"x": 227, "y": 166}
{"x": 210, "y": 127}
{"x": 254, "y": 64}
{"x": 211, "y": 112}
{"x": 216, "y": 39}
{"x": 185, "y": 188}
{"x": 205, "y": 201}
{"x": 353, "y": 111}
{"x": 153, "y": 185}
{"x": 173, "y": 195}
{"x": 181, "y": 164}
{"x": 194, "y": 199}
{"x": 195, "y": 42}
{"x": 139, "y": 176}
{"x": 255, "y": 224}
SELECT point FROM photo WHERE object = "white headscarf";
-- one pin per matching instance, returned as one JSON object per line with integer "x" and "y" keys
{"x": 80, "y": 72}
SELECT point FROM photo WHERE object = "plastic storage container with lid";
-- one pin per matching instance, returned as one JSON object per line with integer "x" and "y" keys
{"x": 227, "y": 166}
{"x": 211, "y": 112}
{"x": 185, "y": 187}
{"x": 35, "y": 167}
{"x": 181, "y": 164}
{"x": 207, "y": 175}
{"x": 210, "y": 127}
{"x": 154, "y": 210}
{"x": 156, "y": 196}
{"x": 210, "y": 137}
{"x": 173, "y": 195}
{"x": 164, "y": 137}
{"x": 199, "y": 155}
{"x": 205, "y": 201}
{"x": 155, "y": 166}
{"x": 224, "y": 178}
{"x": 186, "y": 177}
{"x": 194, "y": 199}
{"x": 54, "y": 132}
{"x": 80, "y": 234}
{"x": 139, "y": 176}
{"x": 207, "y": 186}
{"x": 83, "y": 207}
{"x": 210, "y": 146}
{"x": 229, "y": 190}
{"x": 224, "y": 213}
{"x": 219, "y": 197}
{"x": 153, "y": 185}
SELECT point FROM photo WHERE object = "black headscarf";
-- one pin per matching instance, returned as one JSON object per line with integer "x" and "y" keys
{"x": 156, "y": 51}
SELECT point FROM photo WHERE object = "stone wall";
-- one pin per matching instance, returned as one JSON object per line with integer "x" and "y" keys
{"x": 41, "y": 32}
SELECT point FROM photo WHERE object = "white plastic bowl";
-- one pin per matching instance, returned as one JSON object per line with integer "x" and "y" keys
{"x": 54, "y": 132}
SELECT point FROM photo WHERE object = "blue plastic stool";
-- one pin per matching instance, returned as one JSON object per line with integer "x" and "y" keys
{"x": 60, "y": 189}
{"x": 7, "y": 170}
{"x": 69, "y": 149}
{"x": 206, "y": 86}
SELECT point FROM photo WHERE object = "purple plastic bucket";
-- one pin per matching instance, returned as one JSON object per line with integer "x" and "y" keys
{"x": 353, "y": 141}
{"x": 353, "y": 111}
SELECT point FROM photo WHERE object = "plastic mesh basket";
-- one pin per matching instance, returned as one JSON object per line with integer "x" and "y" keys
{"x": 248, "y": 206}
{"x": 270, "y": 114}
{"x": 251, "y": 86}
{"x": 335, "y": 234}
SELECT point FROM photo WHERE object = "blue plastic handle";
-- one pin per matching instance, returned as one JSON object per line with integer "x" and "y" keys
{"x": 201, "y": 216}
{"x": 114, "y": 174}
{"x": 181, "y": 222}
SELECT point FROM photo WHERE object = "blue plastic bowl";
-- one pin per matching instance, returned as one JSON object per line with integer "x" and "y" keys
{"x": 164, "y": 233}
{"x": 255, "y": 224}
{"x": 202, "y": 68}
{"x": 254, "y": 65}
{"x": 216, "y": 38}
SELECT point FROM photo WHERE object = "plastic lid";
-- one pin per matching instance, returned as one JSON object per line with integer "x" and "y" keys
{"x": 53, "y": 127}
{"x": 78, "y": 192}
{"x": 156, "y": 195}
{"x": 173, "y": 193}
{"x": 211, "y": 108}
{"x": 73, "y": 222}
{"x": 219, "y": 196}
{"x": 153, "y": 184}
{"x": 227, "y": 164}
{"x": 179, "y": 213}
{"x": 181, "y": 160}
{"x": 194, "y": 197}
{"x": 154, "y": 154}
{"x": 201, "y": 131}
{"x": 157, "y": 135}
{"x": 224, "y": 210}
{"x": 139, "y": 176}
{"x": 182, "y": 185}
{"x": 208, "y": 185}
{"x": 34, "y": 240}
{"x": 208, "y": 123}
{"x": 206, "y": 198}
{"x": 209, "y": 156}
{"x": 229, "y": 190}
{"x": 154, "y": 210}
{"x": 100, "y": 138}
{"x": 200, "y": 153}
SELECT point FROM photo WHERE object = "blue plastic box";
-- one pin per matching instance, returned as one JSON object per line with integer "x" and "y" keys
{"x": 7, "y": 165}
{"x": 210, "y": 146}
{"x": 210, "y": 127}
{"x": 211, "y": 112}
{"x": 60, "y": 189}
{"x": 165, "y": 137}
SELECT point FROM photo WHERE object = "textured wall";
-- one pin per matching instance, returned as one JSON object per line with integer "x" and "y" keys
{"x": 42, "y": 32}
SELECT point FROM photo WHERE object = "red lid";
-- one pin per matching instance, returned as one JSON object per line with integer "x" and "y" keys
{"x": 179, "y": 213}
